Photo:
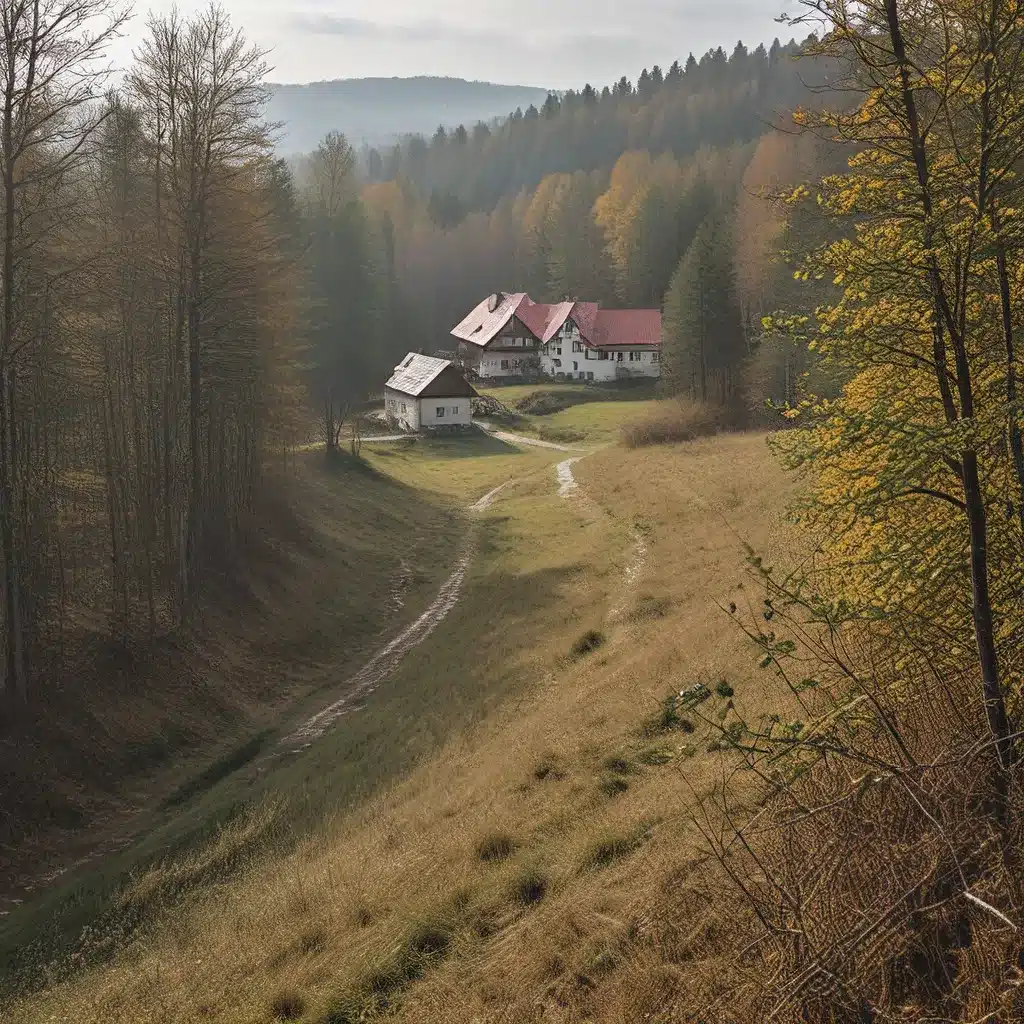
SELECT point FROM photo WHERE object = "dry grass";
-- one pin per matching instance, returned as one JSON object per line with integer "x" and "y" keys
{"x": 674, "y": 421}
{"x": 405, "y": 913}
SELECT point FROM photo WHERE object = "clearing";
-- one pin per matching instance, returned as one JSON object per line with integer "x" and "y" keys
{"x": 486, "y": 831}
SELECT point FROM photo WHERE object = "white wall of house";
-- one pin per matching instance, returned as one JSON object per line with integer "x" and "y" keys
{"x": 403, "y": 409}
{"x": 416, "y": 414}
{"x": 445, "y": 412}
{"x": 502, "y": 364}
{"x": 572, "y": 360}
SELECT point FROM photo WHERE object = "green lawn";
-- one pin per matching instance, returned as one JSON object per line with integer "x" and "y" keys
{"x": 596, "y": 418}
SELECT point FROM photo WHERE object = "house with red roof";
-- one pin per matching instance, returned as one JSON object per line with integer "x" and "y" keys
{"x": 510, "y": 335}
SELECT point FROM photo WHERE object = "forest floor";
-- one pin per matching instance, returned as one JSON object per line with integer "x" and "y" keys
{"x": 475, "y": 833}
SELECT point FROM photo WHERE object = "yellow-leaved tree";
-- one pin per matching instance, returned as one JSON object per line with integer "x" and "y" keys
{"x": 918, "y": 468}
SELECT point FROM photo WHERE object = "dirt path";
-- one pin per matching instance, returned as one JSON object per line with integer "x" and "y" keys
{"x": 532, "y": 442}
{"x": 566, "y": 481}
{"x": 390, "y": 656}
{"x": 568, "y": 485}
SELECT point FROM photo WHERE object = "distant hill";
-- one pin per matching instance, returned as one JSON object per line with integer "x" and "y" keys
{"x": 376, "y": 110}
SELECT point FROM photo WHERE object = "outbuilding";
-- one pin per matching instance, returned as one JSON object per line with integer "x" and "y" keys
{"x": 425, "y": 393}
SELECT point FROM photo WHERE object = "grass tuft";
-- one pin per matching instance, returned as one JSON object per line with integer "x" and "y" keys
{"x": 529, "y": 887}
{"x": 496, "y": 847}
{"x": 613, "y": 786}
{"x": 648, "y": 607}
{"x": 615, "y": 846}
{"x": 287, "y": 1005}
{"x": 590, "y": 641}
{"x": 619, "y": 765}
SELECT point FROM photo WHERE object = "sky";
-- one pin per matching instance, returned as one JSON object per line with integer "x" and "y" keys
{"x": 558, "y": 44}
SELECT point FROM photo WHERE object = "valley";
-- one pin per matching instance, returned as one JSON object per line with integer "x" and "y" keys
{"x": 505, "y": 747}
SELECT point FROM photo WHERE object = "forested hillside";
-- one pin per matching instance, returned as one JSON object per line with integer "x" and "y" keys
{"x": 635, "y": 194}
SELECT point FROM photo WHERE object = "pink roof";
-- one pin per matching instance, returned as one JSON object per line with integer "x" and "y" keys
{"x": 600, "y": 328}
{"x": 488, "y": 318}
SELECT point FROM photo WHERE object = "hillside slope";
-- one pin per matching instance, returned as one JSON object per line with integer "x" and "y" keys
{"x": 350, "y": 555}
{"x": 509, "y": 870}
{"x": 378, "y": 110}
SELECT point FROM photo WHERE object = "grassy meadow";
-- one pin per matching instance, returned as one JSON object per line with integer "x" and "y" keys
{"x": 484, "y": 837}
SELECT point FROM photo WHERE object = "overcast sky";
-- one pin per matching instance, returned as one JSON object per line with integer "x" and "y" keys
{"x": 554, "y": 43}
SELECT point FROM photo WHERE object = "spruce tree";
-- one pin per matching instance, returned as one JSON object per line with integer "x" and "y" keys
{"x": 702, "y": 329}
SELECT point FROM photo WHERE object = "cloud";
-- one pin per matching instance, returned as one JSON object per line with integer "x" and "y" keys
{"x": 445, "y": 32}
{"x": 361, "y": 28}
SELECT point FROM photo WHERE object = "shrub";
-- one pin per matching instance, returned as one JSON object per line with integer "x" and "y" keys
{"x": 674, "y": 422}
{"x": 544, "y": 403}
{"x": 496, "y": 846}
{"x": 619, "y": 765}
{"x": 529, "y": 887}
{"x": 669, "y": 717}
{"x": 559, "y": 435}
{"x": 588, "y": 642}
{"x": 723, "y": 689}
{"x": 287, "y": 1005}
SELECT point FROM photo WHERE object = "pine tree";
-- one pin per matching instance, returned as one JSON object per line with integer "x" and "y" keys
{"x": 702, "y": 330}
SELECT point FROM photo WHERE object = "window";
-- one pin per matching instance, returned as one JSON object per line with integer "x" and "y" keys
{"x": 575, "y": 365}
{"x": 581, "y": 375}
{"x": 504, "y": 364}
{"x": 577, "y": 346}
{"x": 557, "y": 362}
{"x": 403, "y": 407}
{"x": 655, "y": 356}
{"x": 618, "y": 357}
{"x": 558, "y": 351}
{"x": 590, "y": 375}
{"x": 602, "y": 355}
{"x": 634, "y": 357}
{"x": 439, "y": 412}
{"x": 455, "y": 410}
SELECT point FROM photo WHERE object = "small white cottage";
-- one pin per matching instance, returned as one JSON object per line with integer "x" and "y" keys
{"x": 425, "y": 393}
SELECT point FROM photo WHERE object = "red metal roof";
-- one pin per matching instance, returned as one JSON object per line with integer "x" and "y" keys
{"x": 600, "y": 328}
{"x": 543, "y": 320}
{"x": 614, "y": 328}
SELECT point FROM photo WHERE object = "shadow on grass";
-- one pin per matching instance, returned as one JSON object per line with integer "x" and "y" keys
{"x": 440, "y": 686}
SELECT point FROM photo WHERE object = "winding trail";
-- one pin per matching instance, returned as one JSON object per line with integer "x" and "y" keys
{"x": 532, "y": 442}
{"x": 566, "y": 481}
{"x": 388, "y": 658}
{"x": 567, "y": 486}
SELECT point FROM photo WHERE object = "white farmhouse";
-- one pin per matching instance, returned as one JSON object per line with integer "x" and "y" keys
{"x": 425, "y": 393}
{"x": 510, "y": 335}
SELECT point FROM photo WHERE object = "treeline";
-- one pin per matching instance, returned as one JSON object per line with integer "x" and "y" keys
{"x": 719, "y": 101}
